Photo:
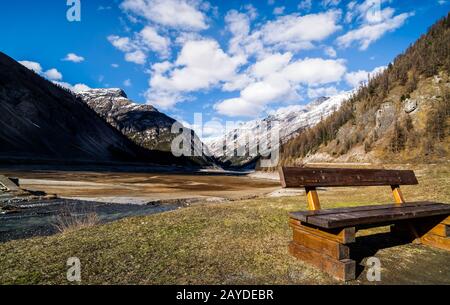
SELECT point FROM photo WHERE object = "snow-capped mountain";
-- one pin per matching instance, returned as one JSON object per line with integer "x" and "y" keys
{"x": 143, "y": 124}
{"x": 44, "y": 123}
{"x": 291, "y": 120}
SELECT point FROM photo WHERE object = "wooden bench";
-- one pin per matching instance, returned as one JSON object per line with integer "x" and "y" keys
{"x": 322, "y": 237}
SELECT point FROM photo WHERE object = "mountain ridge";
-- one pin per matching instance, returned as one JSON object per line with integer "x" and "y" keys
{"x": 43, "y": 122}
{"x": 141, "y": 123}
{"x": 401, "y": 115}
{"x": 292, "y": 119}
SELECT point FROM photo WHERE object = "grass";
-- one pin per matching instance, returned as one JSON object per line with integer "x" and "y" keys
{"x": 68, "y": 222}
{"x": 242, "y": 242}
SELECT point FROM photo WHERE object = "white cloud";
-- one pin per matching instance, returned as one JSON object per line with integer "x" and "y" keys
{"x": 315, "y": 71}
{"x": 178, "y": 14}
{"x": 80, "y": 87}
{"x": 53, "y": 74}
{"x": 326, "y": 3}
{"x": 374, "y": 22}
{"x": 279, "y": 10}
{"x": 322, "y": 91}
{"x": 370, "y": 33}
{"x": 200, "y": 65}
{"x": 305, "y": 5}
{"x": 368, "y": 11}
{"x": 295, "y": 32}
{"x": 330, "y": 51}
{"x": 74, "y": 88}
{"x": 238, "y": 107}
{"x": 356, "y": 78}
{"x": 271, "y": 64}
{"x": 127, "y": 83}
{"x": 161, "y": 67}
{"x": 123, "y": 44}
{"x": 285, "y": 33}
{"x": 270, "y": 89}
{"x": 154, "y": 41}
{"x": 32, "y": 65}
{"x": 239, "y": 82}
{"x": 115, "y": 65}
{"x": 238, "y": 24}
{"x": 252, "y": 12}
{"x": 163, "y": 99}
{"x": 136, "y": 48}
{"x": 277, "y": 79}
{"x": 73, "y": 58}
{"x": 137, "y": 57}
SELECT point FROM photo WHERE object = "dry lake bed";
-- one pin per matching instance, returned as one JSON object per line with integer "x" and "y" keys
{"x": 143, "y": 188}
{"x": 115, "y": 195}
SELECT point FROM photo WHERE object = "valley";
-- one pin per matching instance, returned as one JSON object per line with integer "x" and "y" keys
{"x": 104, "y": 165}
{"x": 236, "y": 242}
{"x": 144, "y": 187}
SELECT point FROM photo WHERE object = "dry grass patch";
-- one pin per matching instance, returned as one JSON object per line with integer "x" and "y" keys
{"x": 243, "y": 242}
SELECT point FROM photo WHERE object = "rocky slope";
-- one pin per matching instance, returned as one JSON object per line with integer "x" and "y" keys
{"x": 401, "y": 115}
{"x": 396, "y": 130}
{"x": 143, "y": 124}
{"x": 41, "y": 122}
{"x": 292, "y": 120}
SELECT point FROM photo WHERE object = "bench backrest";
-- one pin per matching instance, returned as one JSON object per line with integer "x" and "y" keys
{"x": 311, "y": 178}
{"x": 316, "y": 177}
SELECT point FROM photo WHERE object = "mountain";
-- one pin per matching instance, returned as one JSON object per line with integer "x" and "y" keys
{"x": 292, "y": 120}
{"x": 142, "y": 124}
{"x": 401, "y": 115}
{"x": 42, "y": 122}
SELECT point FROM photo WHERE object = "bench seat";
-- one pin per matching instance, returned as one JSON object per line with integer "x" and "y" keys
{"x": 370, "y": 215}
{"x": 325, "y": 238}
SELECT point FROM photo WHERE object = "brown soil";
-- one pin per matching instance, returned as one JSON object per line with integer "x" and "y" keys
{"x": 148, "y": 186}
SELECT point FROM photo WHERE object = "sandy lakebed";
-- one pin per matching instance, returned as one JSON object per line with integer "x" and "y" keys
{"x": 113, "y": 195}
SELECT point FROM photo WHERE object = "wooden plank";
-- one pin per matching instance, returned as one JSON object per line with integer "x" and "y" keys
{"x": 436, "y": 241}
{"x": 340, "y": 269}
{"x": 398, "y": 196}
{"x": 303, "y": 215}
{"x": 433, "y": 225}
{"x": 343, "y": 236}
{"x": 313, "y": 199}
{"x": 314, "y": 177}
{"x": 446, "y": 221}
{"x": 8, "y": 183}
{"x": 441, "y": 229}
{"x": 325, "y": 246}
{"x": 374, "y": 216}
{"x": 377, "y": 216}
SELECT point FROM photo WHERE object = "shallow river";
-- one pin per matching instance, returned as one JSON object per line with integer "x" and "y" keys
{"x": 41, "y": 219}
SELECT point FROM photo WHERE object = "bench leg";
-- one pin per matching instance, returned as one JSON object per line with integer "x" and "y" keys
{"x": 432, "y": 232}
{"x": 324, "y": 249}
{"x": 436, "y": 233}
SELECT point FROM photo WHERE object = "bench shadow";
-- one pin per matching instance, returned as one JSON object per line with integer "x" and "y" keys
{"x": 368, "y": 246}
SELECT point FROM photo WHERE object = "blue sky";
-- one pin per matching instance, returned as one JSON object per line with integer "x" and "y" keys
{"x": 227, "y": 59}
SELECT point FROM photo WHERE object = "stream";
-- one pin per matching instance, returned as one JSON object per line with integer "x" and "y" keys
{"x": 41, "y": 218}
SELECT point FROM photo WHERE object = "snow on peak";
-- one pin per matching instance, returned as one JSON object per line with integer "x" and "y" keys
{"x": 104, "y": 92}
{"x": 291, "y": 120}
